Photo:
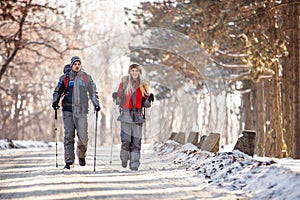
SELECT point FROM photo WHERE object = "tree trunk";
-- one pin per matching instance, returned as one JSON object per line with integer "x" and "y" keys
{"x": 287, "y": 88}
{"x": 260, "y": 119}
{"x": 269, "y": 138}
{"x": 291, "y": 80}
{"x": 277, "y": 122}
{"x": 294, "y": 57}
{"x": 247, "y": 106}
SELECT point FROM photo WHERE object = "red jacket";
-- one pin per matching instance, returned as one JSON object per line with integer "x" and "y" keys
{"x": 127, "y": 98}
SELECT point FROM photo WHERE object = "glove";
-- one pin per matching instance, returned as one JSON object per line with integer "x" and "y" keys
{"x": 55, "y": 105}
{"x": 97, "y": 108}
{"x": 115, "y": 95}
{"x": 151, "y": 98}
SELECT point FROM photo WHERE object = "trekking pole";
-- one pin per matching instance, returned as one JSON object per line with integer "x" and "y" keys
{"x": 151, "y": 143}
{"x": 55, "y": 130}
{"x": 112, "y": 132}
{"x": 95, "y": 141}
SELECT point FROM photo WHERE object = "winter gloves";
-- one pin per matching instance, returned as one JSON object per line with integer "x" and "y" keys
{"x": 55, "y": 105}
{"x": 151, "y": 97}
{"x": 115, "y": 95}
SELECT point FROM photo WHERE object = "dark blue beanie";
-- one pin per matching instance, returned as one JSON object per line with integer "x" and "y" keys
{"x": 74, "y": 59}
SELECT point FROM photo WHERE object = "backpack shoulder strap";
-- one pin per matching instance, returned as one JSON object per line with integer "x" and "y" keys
{"x": 124, "y": 86}
{"x": 66, "y": 81}
{"x": 86, "y": 79}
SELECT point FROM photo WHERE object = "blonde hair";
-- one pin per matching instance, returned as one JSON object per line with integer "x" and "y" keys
{"x": 144, "y": 84}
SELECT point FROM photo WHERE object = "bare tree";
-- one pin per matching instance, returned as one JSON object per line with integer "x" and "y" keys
{"x": 31, "y": 38}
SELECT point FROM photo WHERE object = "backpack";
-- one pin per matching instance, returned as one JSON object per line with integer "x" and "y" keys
{"x": 67, "y": 80}
{"x": 67, "y": 68}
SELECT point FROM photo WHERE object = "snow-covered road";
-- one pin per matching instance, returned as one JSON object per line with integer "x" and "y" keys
{"x": 31, "y": 174}
{"x": 168, "y": 171}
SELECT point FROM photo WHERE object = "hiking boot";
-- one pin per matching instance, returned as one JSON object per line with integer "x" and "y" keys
{"x": 68, "y": 165}
{"x": 82, "y": 161}
{"x": 124, "y": 164}
{"x": 134, "y": 168}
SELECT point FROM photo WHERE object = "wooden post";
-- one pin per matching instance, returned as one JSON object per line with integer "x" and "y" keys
{"x": 180, "y": 138}
{"x": 203, "y": 137}
{"x": 193, "y": 138}
{"x": 211, "y": 143}
{"x": 246, "y": 143}
{"x": 173, "y": 134}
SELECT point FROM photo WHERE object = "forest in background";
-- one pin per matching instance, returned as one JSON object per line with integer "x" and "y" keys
{"x": 245, "y": 72}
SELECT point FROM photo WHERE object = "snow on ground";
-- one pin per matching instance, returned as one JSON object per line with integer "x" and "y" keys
{"x": 17, "y": 144}
{"x": 259, "y": 178}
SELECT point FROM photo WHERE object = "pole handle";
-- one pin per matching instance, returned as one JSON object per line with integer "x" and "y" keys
{"x": 55, "y": 116}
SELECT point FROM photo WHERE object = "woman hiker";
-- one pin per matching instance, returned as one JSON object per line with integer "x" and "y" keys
{"x": 132, "y": 96}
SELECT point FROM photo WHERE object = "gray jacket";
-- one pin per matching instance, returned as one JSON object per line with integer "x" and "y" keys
{"x": 77, "y": 91}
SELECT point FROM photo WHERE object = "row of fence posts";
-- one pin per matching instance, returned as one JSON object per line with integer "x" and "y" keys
{"x": 211, "y": 142}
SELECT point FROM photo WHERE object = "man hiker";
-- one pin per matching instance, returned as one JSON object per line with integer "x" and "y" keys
{"x": 132, "y": 96}
{"x": 76, "y": 87}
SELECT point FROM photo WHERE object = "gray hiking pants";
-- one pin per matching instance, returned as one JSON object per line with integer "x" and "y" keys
{"x": 70, "y": 124}
{"x": 131, "y": 137}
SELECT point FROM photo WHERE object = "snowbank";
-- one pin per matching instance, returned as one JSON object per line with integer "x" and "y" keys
{"x": 259, "y": 179}
{"x": 18, "y": 144}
